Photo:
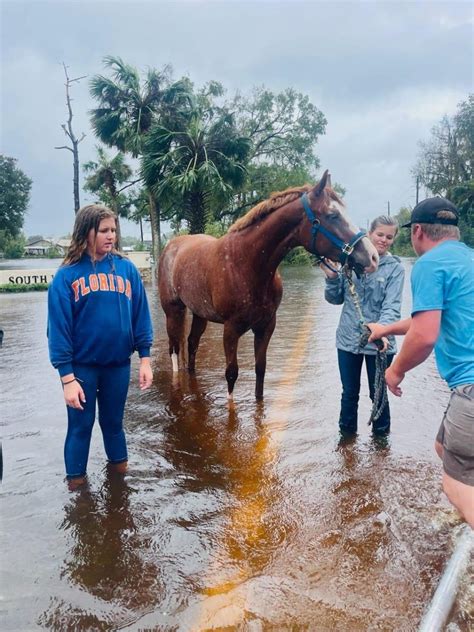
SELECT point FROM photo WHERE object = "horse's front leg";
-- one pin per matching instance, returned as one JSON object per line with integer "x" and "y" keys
{"x": 261, "y": 339}
{"x": 197, "y": 329}
{"x": 231, "y": 341}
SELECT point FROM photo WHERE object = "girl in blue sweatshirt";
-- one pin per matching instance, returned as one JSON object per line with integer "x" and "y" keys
{"x": 98, "y": 316}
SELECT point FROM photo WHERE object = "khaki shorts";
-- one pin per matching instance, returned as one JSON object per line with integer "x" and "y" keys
{"x": 456, "y": 435}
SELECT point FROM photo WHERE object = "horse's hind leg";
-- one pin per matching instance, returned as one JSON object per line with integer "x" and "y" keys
{"x": 231, "y": 341}
{"x": 261, "y": 340}
{"x": 175, "y": 320}
{"x": 198, "y": 327}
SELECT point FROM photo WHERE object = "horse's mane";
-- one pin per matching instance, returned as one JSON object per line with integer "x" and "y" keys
{"x": 275, "y": 201}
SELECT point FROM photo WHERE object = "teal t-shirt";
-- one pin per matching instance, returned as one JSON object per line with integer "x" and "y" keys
{"x": 443, "y": 279}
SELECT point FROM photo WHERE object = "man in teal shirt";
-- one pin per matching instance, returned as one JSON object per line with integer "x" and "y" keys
{"x": 442, "y": 318}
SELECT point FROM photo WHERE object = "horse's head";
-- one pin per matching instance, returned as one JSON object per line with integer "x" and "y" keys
{"x": 327, "y": 231}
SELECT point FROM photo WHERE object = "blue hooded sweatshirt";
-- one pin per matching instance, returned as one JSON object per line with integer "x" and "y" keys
{"x": 97, "y": 314}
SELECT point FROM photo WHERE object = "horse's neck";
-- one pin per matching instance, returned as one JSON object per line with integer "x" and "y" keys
{"x": 267, "y": 242}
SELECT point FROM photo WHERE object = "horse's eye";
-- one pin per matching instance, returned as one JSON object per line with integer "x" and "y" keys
{"x": 333, "y": 216}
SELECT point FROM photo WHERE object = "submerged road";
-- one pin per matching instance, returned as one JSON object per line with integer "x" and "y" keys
{"x": 249, "y": 518}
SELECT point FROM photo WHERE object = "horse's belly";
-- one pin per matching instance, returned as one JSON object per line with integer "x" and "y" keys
{"x": 204, "y": 309}
{"x": 194, "y": 295}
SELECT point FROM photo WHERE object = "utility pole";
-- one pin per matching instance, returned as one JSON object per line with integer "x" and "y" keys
{"x": 417, "y": 188}
{"x": 388, "y": 207}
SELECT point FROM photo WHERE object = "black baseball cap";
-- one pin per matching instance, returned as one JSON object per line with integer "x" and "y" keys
{"x": 426, "y": 212}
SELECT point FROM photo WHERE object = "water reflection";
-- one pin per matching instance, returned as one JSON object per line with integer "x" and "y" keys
{"x": 106, "y": 558}
{"x": 360, "y": 504}
{"x": 194, "y": 441}
{"x": 231, "y": 457}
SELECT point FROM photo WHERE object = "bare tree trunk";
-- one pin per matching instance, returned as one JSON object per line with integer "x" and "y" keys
{"x": 155, "y": 225}
{"x": 77, "y": 203}
{"x": 67, "y": 127}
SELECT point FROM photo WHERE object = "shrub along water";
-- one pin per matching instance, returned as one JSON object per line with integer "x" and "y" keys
{"x": 19, "y": 287}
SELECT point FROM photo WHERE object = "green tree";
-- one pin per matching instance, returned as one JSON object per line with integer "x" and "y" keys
{"x": 446, "y": 163}
{"x": 127, "y": 107}
{"x": 201, "y": 160}
{"x": 402, "y": 244}
{"x": 105, "y": 176}
{"x": 12, "y": 247}
{"x": 15, "y": 189}
{"x": 263, "y": 179}
{"x": 462, "y": 195}
{"x": 283, "y": 130}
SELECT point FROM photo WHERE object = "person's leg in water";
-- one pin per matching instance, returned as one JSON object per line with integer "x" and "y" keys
{"x": 112, "y": 396}
{"x": 381, "y": 426}
{"x": 79, "y": 430}
{"x": 350, "y": 365}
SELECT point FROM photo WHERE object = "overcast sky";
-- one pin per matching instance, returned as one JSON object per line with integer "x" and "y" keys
{"x": 383, "y": 73}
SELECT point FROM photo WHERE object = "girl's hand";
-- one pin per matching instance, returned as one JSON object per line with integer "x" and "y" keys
{"x": 145, "y": 375}
{"x": 74, "y": 395}
{"x": 329, "y": 273}
{"x": 377, "y": 330}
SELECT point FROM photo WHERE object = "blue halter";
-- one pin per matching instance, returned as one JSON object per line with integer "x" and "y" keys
{"x": 345, "y": 248}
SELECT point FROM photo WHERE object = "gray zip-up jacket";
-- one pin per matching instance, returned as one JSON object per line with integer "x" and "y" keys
{"x": 380, "y": 297}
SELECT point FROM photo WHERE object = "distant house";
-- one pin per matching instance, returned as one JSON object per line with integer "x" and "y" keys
{"x": 63, "y": 244}
{"x": 40, "y": 247}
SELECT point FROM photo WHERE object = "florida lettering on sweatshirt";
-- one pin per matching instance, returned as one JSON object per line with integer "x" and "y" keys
{"x": 101, "y": 282}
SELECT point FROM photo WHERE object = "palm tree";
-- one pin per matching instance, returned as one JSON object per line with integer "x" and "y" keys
{"x": 202, "y": 162}
{"x": 105, "y": 174}
{"x": 127, "y": 109}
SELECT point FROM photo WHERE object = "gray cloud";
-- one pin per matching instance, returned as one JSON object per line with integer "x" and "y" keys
{"x": 382, "y": 73}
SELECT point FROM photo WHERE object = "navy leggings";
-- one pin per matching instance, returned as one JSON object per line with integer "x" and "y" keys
{"x": 108, "y": 387}
{"x": 350, "y": 366}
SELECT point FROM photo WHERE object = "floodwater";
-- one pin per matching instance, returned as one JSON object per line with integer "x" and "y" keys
{"x": 35, "y": 263}
{"x": 252, "y": 519}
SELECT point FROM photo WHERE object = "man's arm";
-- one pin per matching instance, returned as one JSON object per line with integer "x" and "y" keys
{"x": 398, "y": 328}
{"x": 417, "y": 346}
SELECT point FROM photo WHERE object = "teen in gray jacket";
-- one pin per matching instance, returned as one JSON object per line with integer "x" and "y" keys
{"x": 380, "y": 295}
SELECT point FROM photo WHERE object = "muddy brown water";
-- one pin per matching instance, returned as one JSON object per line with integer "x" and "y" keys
{"x": 253, "y": 519}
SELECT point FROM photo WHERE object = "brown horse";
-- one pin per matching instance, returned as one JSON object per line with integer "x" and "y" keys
{"x": 234, "y": 280}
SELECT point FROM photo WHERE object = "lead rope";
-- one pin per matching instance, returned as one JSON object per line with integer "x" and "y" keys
{"x": 380, "y": 386}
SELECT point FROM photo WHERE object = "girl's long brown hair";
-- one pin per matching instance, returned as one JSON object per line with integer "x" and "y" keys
{"x": 87, "y": 218}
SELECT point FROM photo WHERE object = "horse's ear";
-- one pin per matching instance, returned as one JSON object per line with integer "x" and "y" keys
{"x": 319, "y": 188}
